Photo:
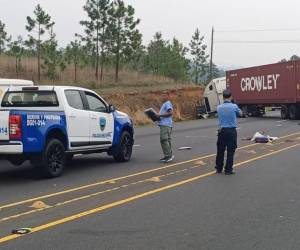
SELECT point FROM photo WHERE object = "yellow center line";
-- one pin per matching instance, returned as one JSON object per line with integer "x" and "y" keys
{"x": 133, "y": 198}
{"x": 122, "y": 177}
{"x": 66, "y": 202}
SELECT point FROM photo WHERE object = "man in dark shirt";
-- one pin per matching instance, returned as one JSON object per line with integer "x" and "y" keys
{"x": 227, "y": 136}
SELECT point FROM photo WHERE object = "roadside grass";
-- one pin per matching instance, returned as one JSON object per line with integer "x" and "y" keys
{"x": 130, "y": 80}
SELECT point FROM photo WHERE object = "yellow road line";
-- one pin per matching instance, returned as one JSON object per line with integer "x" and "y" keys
{"x": 133, "y": 198}
{"x": 84, "y": 197}
{"x": 121, "y": 178}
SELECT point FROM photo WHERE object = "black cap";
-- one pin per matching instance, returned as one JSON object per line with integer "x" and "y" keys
{"x": 227, "y": 93}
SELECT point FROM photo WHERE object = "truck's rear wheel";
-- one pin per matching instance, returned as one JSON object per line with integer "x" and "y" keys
{"x": 123, "y": 151}
{"x": 284, "y": 113}
{"x": 293, "y": 112}
{"x": 52, "y": 161}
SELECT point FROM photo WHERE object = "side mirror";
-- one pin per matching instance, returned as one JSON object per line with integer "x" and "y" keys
{"x": 111, "y": 108}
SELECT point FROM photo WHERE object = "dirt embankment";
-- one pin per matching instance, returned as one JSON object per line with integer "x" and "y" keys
{"x": 184, "y": 101}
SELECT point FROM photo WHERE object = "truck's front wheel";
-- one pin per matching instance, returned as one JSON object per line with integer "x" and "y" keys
{"x": 53, "y": 160}
{"x": 123, "y": 151}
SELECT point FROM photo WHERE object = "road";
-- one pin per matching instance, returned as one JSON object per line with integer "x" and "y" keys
{"x": 143, "y": 204}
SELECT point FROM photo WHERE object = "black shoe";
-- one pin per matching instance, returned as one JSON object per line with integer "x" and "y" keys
{"x": 218, "y": 170}
{"x": 229, "y": 173}
{"x": 164, "y": 159}
{"x": 169, "y": 159}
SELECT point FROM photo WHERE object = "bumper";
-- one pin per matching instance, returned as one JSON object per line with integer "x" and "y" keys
{"x": 7, "y": 148}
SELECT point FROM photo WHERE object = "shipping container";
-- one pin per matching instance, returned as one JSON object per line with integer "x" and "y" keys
{"x": 273, "y": 85}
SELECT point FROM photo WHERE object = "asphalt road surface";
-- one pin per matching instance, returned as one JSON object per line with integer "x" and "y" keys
{"x": 143, "y": 204}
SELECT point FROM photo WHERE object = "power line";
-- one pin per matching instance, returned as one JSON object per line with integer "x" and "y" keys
{"x": 257, "y": 30}
{"x": 259, "y": 41}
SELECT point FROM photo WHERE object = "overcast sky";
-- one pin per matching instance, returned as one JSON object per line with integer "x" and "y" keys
{"x": 181, "y": 18}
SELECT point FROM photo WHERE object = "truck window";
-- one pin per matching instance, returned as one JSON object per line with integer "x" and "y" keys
{"x": 95, "y": 104}
{"x": 74, "y": 99}
{"x": 30, "y": 99}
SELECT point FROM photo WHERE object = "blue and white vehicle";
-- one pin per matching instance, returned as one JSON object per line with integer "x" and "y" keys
{"x": 48, "y": 125}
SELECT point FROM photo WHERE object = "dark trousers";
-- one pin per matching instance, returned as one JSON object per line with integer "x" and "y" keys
{"x": 227, "y": 140}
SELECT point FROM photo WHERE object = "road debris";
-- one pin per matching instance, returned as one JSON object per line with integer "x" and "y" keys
{"x": 184, "y": 148}
{"x": 24, "y": 230}
{"x": 39, "y": 205}
{"x": 246, "y": 138}
{"x": 202, "y": 163}
{"x": 155, "y": 179}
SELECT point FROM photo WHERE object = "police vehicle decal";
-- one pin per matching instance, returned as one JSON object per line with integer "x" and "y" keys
{"x": 38, "y": 120}
{"x": 4, "y": 130}
{"x": 102, "y": 123}
{"x": 104, "y": 135}
{"x": 37, "y": 125}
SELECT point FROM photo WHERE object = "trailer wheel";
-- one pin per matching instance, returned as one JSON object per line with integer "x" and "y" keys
{"x": 284, "y": 113}
{"x": 293, "y": 112}
{"x": 245, "y": 111}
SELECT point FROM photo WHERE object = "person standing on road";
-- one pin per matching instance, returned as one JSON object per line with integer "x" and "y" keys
{"x": 227, "y": 135}
{"x": 166, "y": 124}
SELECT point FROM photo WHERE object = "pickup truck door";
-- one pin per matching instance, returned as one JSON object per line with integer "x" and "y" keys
{"x": 77, "y": 120}
{"x": 101, "y": 121}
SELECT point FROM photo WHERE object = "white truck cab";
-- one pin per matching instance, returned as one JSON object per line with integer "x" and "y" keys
{"x": 213, "y": 96}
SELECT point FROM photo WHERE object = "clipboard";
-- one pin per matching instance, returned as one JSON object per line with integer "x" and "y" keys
{"x": 150, "y": 112}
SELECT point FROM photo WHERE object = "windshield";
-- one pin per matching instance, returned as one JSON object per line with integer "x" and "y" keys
{"x": 30, "y": 99}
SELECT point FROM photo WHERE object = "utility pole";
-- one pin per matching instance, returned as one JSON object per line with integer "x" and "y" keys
{"x": 211, "y": 54}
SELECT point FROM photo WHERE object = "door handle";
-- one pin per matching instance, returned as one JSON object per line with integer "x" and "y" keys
{"x": 72, "y": 116}
{"x": 94, "y": 117}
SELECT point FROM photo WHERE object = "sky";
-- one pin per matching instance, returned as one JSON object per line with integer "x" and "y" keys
{"x": 279, "y": 20}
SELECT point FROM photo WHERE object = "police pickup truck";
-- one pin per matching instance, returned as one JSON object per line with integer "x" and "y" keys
{"x": 48, "y": 125}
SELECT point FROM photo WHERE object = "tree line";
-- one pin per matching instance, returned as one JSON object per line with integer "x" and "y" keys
{"x": 110, "y": 38}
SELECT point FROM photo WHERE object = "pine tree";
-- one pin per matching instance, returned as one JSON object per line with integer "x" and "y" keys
{"x": 4, "y": 38}
{"x": 39, "y": 24}
{"x": 177, "y": 62}
{"x": 53, "y": 59}
{"x": 125, "y": 35}
{"x": 96, "y": 31}
{"x": 198, "y": 51}
{"x": 75, "y": 54}
{"x": 157, "y": 54}
{"x": 16, "y": 49}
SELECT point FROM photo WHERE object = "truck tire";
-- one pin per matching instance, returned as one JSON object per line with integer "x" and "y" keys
{"x": 284, "y": 112}
{"x": 252, "y": 111}
{"x": 245, "y": 111}
{"x": 293, "y": 112}
{"x": 123, "y": 151}
{"x": 52, "y": 161}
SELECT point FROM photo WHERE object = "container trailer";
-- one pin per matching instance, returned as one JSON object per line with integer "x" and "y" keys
{"x": 274, "y": 85}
